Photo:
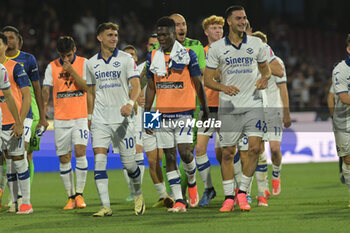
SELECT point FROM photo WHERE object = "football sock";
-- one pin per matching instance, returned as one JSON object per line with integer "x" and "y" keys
{"x": 276, "y": 170}
{"x": 203, "y": 166}
{"x": 175, "y": 184}
{"x": 346, "y": 174}
{"x": 245, "y": 182}
{"x": 139, "y": 158}
{"x": 128, "y": 181}
{"x": 101, "y": 179}
{"x": 23, "y": 179}
{"x": 261, "y": 174}
{"x": 161, "y": 190}
{"x": 81, "y": 173}
{"x": 228, "y": 187}
{"x": 12, "y": 179}
{"x": 67, "y": 178}
{"x": 190, "y": 169}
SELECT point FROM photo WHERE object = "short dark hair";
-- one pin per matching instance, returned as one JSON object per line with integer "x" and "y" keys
{"x": 348, "y": 40}
{"x": 11, "y": 29}
{"x": 231, "y": 9}
{"x": 65, "y": 44}
{"x": 130, "y": 47}
{"x": 165, "y": 21}
{"x": 3, "y": 37}
{"x": 105, "y": 26}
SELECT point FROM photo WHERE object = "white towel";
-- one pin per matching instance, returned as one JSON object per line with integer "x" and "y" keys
{"x": 179, "y": 57}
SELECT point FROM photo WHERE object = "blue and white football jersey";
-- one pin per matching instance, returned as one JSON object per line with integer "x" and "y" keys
{"x": 341, "y": 84}
{"x": 112, "y": 85}
{"x": 238, "y": 67}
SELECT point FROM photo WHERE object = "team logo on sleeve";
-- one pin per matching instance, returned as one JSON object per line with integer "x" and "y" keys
{"x": 151, "y": 120}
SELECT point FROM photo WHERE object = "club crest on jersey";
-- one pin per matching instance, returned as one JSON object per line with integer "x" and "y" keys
{"x": 250, "y": 50}
{"x": 66, "y": 76}
{"x": 116, "y": 64}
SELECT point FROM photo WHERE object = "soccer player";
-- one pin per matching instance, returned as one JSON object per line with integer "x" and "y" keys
{"x": 174, "y": 74}
{"x": 67, "y": 76}
{"x": 341, "y": 127}
{"x": 196, "y": 46}
{"x": 239, "y": 58}
{"x": 330, "y": 103}
{"x": 13, "y": 148}
{"x": 109, "y": 113}
{"x": 139, "y": 158}
{"x": 30, "y": 66}
{"x": 11, "y": 105}
{"x": 278, "y": 115}
{"x": 213, "y": 29}
{"x": 150, "y": 145}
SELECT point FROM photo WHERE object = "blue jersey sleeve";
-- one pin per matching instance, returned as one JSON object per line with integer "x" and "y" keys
{"x": 193, "y": 66}
{"x": 149, "y": 74}
{"x": 20, "y": 76}
{"x": 33, "y": 71}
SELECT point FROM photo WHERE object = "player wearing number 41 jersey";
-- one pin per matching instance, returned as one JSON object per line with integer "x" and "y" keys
{"x": 67, "y": 76}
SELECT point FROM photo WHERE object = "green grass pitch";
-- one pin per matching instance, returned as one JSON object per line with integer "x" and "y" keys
{"x": 312, "y": 200}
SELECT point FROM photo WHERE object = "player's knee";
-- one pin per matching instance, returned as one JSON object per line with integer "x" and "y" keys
{"x": 65, "y": 158}
{"x": 185, "y": 153}
{"x": 200, "y": 150}
{"x": 80, "y": 150}
{"x": 152, "y": 162}
{"x": 275, "y": 150}
{"x": 254, "y": 149}
{"x": 227, "y": 154}
{"x": 346, "y": 160}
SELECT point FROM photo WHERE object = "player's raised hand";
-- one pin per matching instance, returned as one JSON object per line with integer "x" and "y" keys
{"x": 261, "y": 83}
{"x": 67, "y": 66}
{"x": 126, "y": 110}
{"x": 230, "y": 90}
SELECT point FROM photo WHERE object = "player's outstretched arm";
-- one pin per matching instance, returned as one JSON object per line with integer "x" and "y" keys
{"x": 285, "y": 101}
{"x": 26, "y": 101}
{"x": 11, "y": 104}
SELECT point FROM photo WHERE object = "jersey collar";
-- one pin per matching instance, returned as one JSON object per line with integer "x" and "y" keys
{"x": 15, "y": 55}
{"x": 115, "y": 53}
{"x": 244, "y": 41}
{"x": 61, "y": 62}
{"x": 347, "y": 60}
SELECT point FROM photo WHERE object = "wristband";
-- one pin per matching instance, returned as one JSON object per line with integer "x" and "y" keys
{"x": 131, "y": 102}
{"x": 89, "y": 117}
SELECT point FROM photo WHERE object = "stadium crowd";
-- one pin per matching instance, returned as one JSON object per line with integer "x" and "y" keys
{"x": 307, "y": 71}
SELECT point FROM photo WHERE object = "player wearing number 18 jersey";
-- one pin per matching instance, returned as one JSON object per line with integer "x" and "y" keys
{"x": 67, "y": 76}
